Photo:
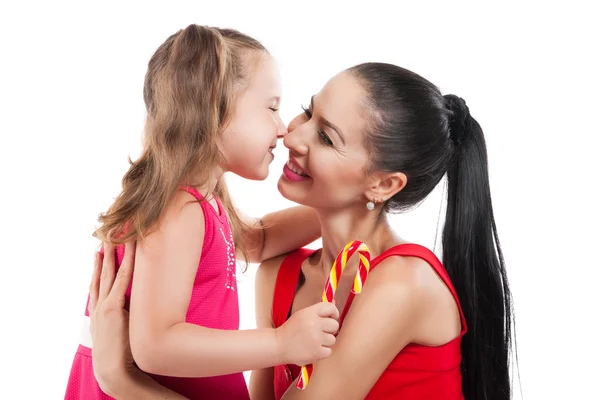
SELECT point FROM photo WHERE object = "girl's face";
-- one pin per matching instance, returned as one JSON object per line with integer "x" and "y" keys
{"x": 248, "y": 142}
{"x": 328, "y": 158}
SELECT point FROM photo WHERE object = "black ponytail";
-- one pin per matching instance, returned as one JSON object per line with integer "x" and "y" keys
{"x": 417, "y": 131}
{"x": 473, "y": 258}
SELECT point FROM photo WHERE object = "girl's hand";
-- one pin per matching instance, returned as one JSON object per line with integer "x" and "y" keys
{"x": 309, "y": 334}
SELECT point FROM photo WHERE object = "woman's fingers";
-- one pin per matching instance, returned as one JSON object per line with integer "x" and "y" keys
{"x": 95, "y": 283}
{"x": 107, "y": 277}
{"x": 124, "y": 275}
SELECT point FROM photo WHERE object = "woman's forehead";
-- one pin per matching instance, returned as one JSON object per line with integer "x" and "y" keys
{"x": 340, "y": 101}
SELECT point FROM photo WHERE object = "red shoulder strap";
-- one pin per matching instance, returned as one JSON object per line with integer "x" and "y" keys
{"x": 415, "y": 250}
{"x": 286, "y": 283}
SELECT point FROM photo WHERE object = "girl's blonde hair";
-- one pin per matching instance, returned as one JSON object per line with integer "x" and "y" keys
{"x": 190, "y": 90}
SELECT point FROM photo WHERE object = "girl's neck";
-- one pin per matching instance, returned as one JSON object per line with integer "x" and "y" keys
{"x": 208, "y": 187}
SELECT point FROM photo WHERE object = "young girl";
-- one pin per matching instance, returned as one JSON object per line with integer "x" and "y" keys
{"x": 212, "y": 98}
{"x": 378, "y": 138}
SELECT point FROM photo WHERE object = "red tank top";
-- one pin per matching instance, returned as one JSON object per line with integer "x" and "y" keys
{"x": 417, "y": 372}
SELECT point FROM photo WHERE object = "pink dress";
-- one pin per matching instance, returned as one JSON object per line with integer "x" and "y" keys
{"x": 213, "y": 304}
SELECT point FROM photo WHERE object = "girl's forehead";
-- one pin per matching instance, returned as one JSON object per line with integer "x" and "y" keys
{"x": 265, "y": 76}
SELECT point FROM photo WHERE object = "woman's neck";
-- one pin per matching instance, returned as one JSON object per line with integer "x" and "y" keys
{"x": 339, "y": 229}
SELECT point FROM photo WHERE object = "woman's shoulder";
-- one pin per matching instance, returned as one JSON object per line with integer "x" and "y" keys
{"x": 268, "y": 271}
{"x": 266, "y": 275}
{"x": 266, "y": 278}
{"x": 409, "y": 271}
{"x": 413, "y": 280}
{"x": 409, "y": 263}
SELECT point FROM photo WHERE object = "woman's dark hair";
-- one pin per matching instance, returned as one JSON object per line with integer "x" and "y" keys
{"x": 415, "y": 130}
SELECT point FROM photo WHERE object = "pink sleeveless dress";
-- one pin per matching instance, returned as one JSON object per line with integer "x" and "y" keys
{"x": 213, "y": 304}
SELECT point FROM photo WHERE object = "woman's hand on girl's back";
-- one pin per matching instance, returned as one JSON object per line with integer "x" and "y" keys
{"x": 111, "y": 353}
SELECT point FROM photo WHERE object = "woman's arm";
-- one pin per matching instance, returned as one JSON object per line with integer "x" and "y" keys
{"x": 137, "y": 385}
{"x": 280, "y": 232}
{"x": 163, "y": 343}
{"x": 262, "y": 380}
{"x": 383, "y": 320}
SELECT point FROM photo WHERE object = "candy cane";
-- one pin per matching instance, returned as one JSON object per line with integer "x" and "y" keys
{"x": 332, "y": 283}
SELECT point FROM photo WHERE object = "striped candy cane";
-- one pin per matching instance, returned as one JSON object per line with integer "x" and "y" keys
{"x": 332, "y": 283}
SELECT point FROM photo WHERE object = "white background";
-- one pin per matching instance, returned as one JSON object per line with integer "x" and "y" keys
{"x": 71, "y": 111}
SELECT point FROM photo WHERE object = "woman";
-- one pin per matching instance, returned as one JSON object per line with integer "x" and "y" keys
{"x": 377, "y": 139}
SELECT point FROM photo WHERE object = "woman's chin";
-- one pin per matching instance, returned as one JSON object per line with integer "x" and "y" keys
{"x": 283, "y": 185}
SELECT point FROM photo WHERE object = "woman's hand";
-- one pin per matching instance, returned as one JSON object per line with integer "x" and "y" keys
{"x": 114, "y": 368}
{"x": 111, "y": 354}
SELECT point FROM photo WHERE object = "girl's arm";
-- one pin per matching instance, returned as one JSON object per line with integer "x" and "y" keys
{"x": 280, "y": 232}
{"x": 382, "y": 321}
{"x": 262, "y": 380}
{"x": 162, "y": 343}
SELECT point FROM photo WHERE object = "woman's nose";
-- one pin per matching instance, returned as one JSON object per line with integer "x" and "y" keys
{"x": 294, "y": 140}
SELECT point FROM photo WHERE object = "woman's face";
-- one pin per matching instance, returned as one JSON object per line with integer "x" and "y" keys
{"x": 328, "y": 159}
